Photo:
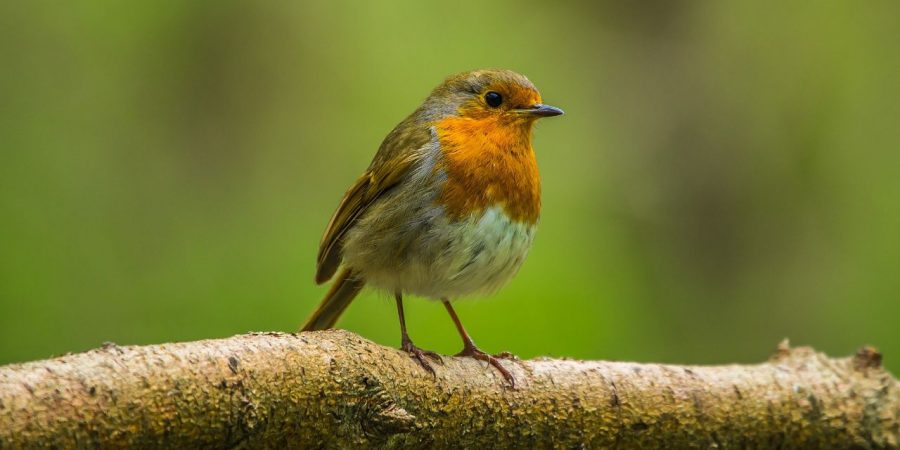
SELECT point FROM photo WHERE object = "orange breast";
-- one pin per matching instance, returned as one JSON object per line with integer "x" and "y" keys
{"x": 489, "y": 162}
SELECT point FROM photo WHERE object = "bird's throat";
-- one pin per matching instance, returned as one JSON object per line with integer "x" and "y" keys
{"x": 489, "y": 162}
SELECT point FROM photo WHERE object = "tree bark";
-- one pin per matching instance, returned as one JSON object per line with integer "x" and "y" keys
{"x": 334, "y": 389}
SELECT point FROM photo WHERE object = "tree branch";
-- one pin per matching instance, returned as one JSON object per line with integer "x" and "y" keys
{"x": 335, "y": 389}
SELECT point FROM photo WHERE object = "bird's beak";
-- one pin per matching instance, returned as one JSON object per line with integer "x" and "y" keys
{"x": 540, "y": 110}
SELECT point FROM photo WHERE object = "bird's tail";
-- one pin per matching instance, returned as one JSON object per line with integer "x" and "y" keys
{"x": 342, "y": 292}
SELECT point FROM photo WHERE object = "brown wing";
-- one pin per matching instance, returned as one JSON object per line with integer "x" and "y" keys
{"x": 392, "y": 162}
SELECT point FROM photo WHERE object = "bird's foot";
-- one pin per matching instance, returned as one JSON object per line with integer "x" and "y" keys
{"x": 421, "y": 356}
{"x": 472, "y": 351}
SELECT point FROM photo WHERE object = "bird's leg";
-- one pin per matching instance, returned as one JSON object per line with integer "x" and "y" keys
{"x": 472, "y": 351}
{"x": 406, "y": 343}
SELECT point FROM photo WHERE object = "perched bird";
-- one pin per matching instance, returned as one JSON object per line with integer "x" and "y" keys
{"x": 448, "y": 207}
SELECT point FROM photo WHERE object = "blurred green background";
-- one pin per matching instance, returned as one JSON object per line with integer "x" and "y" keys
{"x": 727, "y": 173}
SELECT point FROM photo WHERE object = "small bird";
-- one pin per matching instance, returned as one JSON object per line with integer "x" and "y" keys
{"x": 448, "y": 208}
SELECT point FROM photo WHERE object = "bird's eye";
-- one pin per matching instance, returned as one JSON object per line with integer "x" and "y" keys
{"x": 493, "y": 99}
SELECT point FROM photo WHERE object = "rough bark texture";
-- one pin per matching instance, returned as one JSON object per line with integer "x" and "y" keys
{"x": 335, "y": 389}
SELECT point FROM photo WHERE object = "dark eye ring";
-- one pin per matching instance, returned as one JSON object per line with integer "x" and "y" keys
{"x": 493, "y": 99}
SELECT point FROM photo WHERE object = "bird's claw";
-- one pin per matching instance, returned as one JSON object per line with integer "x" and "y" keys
{"x": 421, "y": 356}
{"x": 493, "y": 360}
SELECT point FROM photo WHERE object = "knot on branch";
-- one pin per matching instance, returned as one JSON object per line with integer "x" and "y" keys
{"x": 867, "y": 357}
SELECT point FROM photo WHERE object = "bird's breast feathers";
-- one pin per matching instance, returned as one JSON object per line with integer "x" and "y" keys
{"x": 488, "y": 163}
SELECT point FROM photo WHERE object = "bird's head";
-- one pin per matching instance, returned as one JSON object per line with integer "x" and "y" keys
{"x": 502, "y": 97}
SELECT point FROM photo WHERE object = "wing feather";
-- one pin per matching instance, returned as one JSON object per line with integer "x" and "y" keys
{"x": 397, "y": 155}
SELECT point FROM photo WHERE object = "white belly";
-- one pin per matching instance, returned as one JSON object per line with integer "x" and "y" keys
{"x": 445, "y": 259}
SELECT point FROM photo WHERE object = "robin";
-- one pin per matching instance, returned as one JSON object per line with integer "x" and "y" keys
{"x": 448, "y": 207}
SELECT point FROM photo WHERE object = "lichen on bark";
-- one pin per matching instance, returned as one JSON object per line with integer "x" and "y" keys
{"x": 336, "y": 389}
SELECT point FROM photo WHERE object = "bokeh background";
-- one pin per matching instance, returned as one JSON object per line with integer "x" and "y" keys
{"x": 727, "y": 173}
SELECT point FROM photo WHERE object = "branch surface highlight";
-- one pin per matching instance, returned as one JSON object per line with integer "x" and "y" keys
{"x": 336, "y": 389}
